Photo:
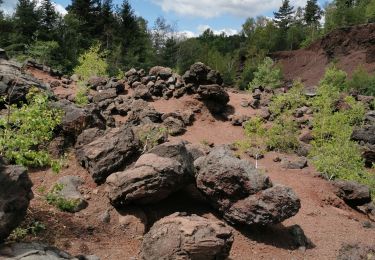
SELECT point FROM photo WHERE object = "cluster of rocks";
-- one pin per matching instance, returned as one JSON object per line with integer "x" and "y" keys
{"x": 241, "y": 194}
{"x": 162, "y": 82}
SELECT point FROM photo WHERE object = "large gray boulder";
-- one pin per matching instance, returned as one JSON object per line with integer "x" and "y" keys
{"x": 201, "y": 74}
{"x": 15, "y": 83}
{"x": 110, "y": 152}
{"x": 214, "y": 96}
{"x": 167, "y": 168}
{"x": 38, "y": 251}
{"x": 15, "y": 195}
{"x": 187, "y": 237}
{"x": 240, "y": 193}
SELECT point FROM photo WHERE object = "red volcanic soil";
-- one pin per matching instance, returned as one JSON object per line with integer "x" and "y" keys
{"x": 325, "y": 218}
{"x": 348, "y": 48}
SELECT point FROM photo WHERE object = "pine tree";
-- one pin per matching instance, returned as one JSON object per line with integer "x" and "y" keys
{"x": 48, "y": 20}
{"x": 313, "y": 13}
{"x": 284, "y": 17}
{"x": 26, "y": 21}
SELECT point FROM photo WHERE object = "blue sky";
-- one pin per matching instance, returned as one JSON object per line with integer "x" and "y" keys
{"x": 194, "y": 16}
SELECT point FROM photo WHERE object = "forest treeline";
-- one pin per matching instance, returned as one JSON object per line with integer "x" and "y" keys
{"x": 36, "y": 30}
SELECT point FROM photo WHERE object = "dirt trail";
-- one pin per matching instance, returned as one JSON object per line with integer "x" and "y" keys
{"x": 325, "y": 219}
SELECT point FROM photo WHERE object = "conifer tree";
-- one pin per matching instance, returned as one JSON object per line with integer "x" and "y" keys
{"x": 284, "y": 17}
{"x": 26, "y": 21}
{"x": 313, "y": 13}
{"x": 48, "y": 20}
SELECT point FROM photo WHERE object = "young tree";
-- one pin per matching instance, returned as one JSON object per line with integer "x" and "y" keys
{"x": 284, "y": 17}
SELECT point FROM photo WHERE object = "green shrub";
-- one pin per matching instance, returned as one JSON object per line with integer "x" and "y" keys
{"x": 267, "y": 75}
{"x": 92, "y": 63}
{"x": 288, "y": 102}
{"x": 333, "y": 153}
{"x": 283, "y": 136}
{"x": 255, "y": 126}
{"x": 335, "y": 78}
{"x": 362, "y": 82}
{"x": 81, "y": 98}
{"x": 54, "y": 198}
{"x": 32, "y": 228}
{"x": 151, "y": 136}
{"x": 26, "y": 132}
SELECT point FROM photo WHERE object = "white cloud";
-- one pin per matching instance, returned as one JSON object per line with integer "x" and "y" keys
{"x": 186, "y": 34}
{"x": 227, "y": 31}
{"x": 9, "y": 6}
{"x": 214, "y": 8}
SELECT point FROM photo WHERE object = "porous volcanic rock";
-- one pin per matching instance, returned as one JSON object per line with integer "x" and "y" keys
{"x": 15, "y": 195}
{"x": 105, "y": 155}
{"x": 240, "y": 193}
{"x": 353, "y": 193}
{"x": 187, "y": 237}
{"x": 163, "y": 170}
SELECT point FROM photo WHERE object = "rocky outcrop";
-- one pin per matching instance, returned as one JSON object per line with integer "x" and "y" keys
{"x": 366, "y": 137}
{"x": 109, "y": 153}
{"x": 187, "y": 237}
{"x": 15, "y": 195}
{"x": 353, "y": 193}
{"x": 15, "y": 83}
{"x": 214, "y": 97}
{"x": 165, "y": 169}
{"x": 38, "y": 251}
{"x": 240, "y": 192}
{"x": 200, "y": 74}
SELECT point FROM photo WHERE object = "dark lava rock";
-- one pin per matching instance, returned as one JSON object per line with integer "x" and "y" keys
{"x": 15, "y": 195}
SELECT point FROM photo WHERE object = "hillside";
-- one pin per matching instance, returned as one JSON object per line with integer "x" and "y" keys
{"x": 348, "y": 47}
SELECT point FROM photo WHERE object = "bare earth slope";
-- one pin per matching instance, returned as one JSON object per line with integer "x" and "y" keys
{"x": 350, "y": 47}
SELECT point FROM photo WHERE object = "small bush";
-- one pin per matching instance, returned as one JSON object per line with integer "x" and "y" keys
{"x": 283, "y": 136}
{"x": 92, "y": 63}
{"x": 21, "y": 232}
{"x": 26, "y": 132}
{"x": 81, "y": 98}
{"x": 335, "y": 78}
{"x": 54, "y": 198}
{"x": 362, "y": 82}
{"x": 288, "y": 102}
{"x": 152, "y": 136}
{"x": 267, "y": 75}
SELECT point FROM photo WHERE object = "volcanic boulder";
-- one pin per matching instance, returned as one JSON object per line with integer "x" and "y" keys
{"x": 108, "y": 153}
{"x": 353, "y": 193}
{"x": 243, "y": 195}
{"x": 163, "y": 170}
{"x": 15, "y": 195}
{"x": 187, "y": 237}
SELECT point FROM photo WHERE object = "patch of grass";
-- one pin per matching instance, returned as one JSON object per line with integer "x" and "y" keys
{"x": 54, "y": 198}
{"x": 151, "y": 137}
{"x": 21, "y": 232}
